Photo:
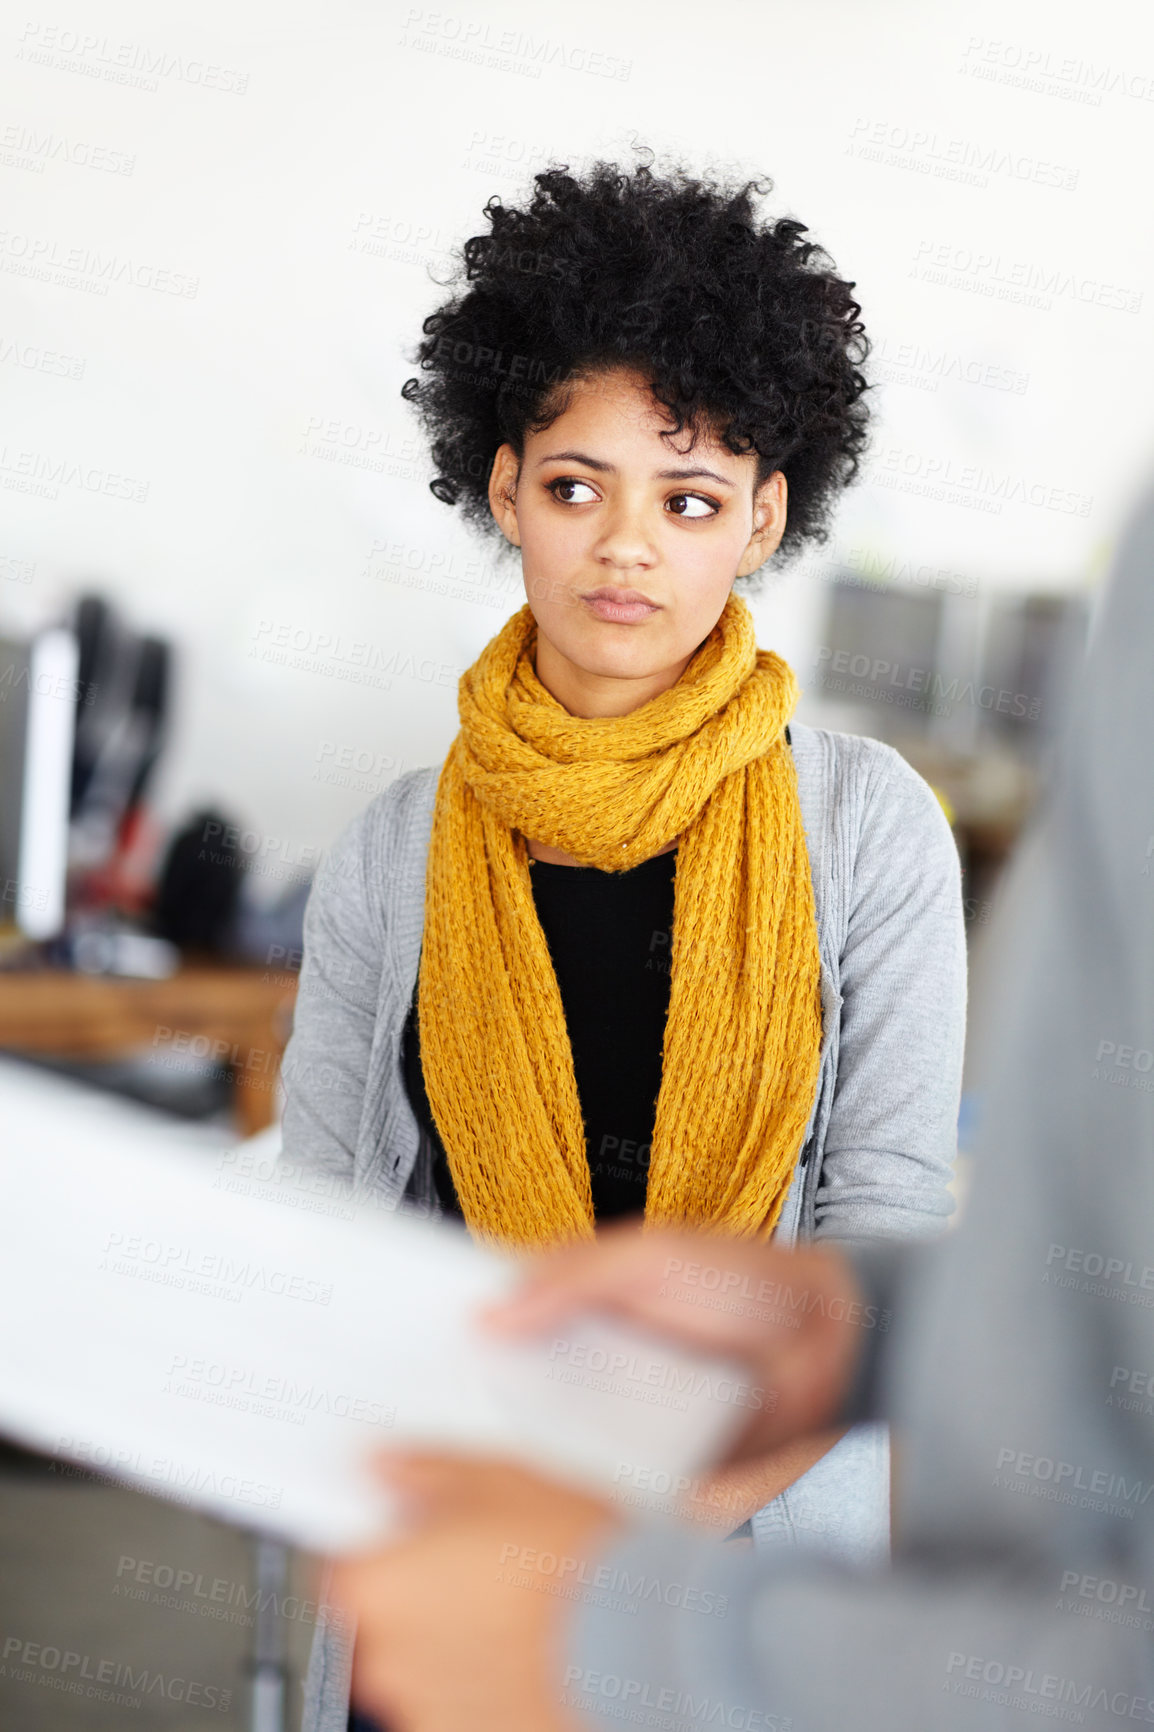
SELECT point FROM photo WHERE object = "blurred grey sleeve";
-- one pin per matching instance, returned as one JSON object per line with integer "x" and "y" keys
{"x": 1025, "y": 1483}
{"x": 710, "y": 1636}
{"x": 892, "y": 1276}
{"x": 326, "y": 1062}
{"x": 892, "y": 1134}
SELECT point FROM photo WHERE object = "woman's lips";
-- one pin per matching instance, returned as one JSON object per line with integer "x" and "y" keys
{"x": 619, "y": 611}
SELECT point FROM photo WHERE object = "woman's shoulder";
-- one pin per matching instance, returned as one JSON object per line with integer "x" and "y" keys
{"x": 855, "y": 786}
{"x": 385, "y": 844}
{"x": 407, "y": 800}
{"x": 849, "y": 765}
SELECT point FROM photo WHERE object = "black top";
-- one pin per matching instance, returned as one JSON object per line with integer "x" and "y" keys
{"x": 610, "y": 938}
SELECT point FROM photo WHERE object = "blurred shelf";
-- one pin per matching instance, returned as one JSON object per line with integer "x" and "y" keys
{"x": 239, "y": 1018}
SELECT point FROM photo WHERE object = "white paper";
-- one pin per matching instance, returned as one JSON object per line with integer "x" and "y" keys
{"x": 242, "y": 1336}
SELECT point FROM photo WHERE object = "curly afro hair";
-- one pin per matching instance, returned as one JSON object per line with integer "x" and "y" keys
{"x": 740, "y": 326}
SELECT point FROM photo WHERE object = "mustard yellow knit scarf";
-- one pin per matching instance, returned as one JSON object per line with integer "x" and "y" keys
{"x": 707, "y": 762}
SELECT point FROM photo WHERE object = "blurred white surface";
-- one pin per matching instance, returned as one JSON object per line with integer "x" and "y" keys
{"x": 241, "y": 1336}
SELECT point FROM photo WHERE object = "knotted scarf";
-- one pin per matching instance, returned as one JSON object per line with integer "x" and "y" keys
{"x": 707, "y": 762}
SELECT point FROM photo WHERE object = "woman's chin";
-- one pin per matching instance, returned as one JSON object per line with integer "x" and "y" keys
{"x": 619, "y": 662}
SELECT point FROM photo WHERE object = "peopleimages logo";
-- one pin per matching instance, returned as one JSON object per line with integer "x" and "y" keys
{"x": 527, "y": 1564}
{"x": 1115, "y": 1271}
{"x": 648, "y": 1379}
{"x": 588, "y": 1690}
{"x": 132, "y": 63}
{"x": 177, "y": 1588}
{"x": 466, "y": 37}
{"x": 971, "y": 485}
{"x": 207, "y": 1272}
{"x": 1105, "y": 1590}
{"x": 273, "y": 1397}
{"x": 879, "y": 677}
{"x": 25, "y": 147}
{"x": 1023, "y": 282}
{"x": 1023, "y": 1687}
{"x": 971, "y": 161}
{"x": 1070, "y": 1482}
{"x": 1036, "y": 67}
{"x": 43, "y": 473}
{"x": 102, "y": 1679}
{"x": 86, "y": 267}
{"x": 188, "y": 1481}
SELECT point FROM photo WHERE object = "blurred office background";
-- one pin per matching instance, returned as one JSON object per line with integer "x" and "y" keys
{"x": 221, "y": 230}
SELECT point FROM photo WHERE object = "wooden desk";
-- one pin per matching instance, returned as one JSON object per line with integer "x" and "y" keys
{"x": 235, "y": 1017}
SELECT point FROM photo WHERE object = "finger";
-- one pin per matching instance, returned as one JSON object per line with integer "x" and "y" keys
{"x": 422, "y": 1487}
{"x": 442, "y": 1488}
{"x": 643, "y": 1285}
{"x": 622, "y": 1272}
{"x": 553, "y": 1282}
{"x": 429, "y": 1476}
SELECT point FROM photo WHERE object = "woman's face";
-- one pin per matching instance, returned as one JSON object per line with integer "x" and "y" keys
{"x": 630, "y": 542}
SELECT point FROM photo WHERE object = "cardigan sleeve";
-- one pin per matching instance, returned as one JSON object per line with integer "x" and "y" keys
{"x": 891, "y": 1138}
{"x": 327, "y": 1059}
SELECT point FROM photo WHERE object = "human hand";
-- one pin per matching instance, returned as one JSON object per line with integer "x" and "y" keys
{"x": 795, "y": 1318}
{"x": 460, "y": 1622}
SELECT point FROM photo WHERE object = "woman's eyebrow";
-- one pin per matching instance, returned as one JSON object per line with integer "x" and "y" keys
{"x": 692, "y": 475}
{"x": 588, "y": 462}
{"x": 581, "y": 457}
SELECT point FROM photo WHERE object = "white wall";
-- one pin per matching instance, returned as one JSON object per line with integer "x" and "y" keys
{"x": 990, "y": 224}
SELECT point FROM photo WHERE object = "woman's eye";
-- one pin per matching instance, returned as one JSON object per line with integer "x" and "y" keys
{"x": 571, "y": 492}
{"x": 692, "y": 505}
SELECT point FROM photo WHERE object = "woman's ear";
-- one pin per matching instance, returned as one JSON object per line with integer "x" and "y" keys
{"x": 503, "y": 492}
{"x": 769, "y": 512}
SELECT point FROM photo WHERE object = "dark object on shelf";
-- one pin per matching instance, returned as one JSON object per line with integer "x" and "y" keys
{"x": 121, "y": 712}
{"x": 199, "y": 888}
{"x": 99, "y": 643}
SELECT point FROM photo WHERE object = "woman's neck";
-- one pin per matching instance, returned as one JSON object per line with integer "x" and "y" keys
{"x": 600, "y": 696}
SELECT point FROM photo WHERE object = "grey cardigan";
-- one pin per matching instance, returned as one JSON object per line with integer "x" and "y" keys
{"x": 881, "y": 1139}
{"x": 878, "y": 1149}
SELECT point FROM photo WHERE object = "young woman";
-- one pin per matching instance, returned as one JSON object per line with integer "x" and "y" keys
{"x": 643, "y": 943}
